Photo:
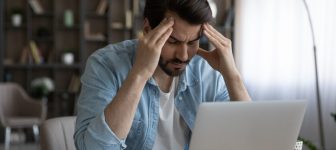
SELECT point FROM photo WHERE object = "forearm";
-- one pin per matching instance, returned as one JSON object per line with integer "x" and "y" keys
{"x": 235, "y": 86}
{"x": 120, "y": 112}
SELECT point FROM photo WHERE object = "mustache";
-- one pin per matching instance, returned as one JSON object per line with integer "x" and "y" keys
{"x": 177, "y": 61}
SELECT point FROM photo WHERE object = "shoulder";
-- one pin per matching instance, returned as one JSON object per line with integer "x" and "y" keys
{"x": 119, "y": 56}
{"x": 112, "y": 59}
{"x": 114, "y": 52}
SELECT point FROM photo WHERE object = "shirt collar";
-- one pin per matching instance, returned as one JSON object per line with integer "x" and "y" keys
{"x": 187, "y": 78}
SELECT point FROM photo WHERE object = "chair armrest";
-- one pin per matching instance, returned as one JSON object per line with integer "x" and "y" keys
{"x": 34, "y": 107}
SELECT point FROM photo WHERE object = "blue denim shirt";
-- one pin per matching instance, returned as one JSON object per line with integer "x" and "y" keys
{"x": 104, "y": 74}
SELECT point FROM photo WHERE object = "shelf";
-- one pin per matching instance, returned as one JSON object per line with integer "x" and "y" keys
{"x": 52, "y": 37}
{"x": 121, "y": 29}
{"x": 44, "y": 40}
{"x": 42, "y": 66}
{"x": 10, "y": 27}
{"x": 96, "y": 16}
{"x": 95, "y": 41}
{"x": 64, "y": 28}
{"x": 44, "y": 15}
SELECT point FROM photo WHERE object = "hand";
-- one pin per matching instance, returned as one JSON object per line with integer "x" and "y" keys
{"x": 150, "y": 46}
{"x": 221, "y": 58}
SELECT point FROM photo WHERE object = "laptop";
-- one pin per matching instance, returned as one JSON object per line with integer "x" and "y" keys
{"x": 259, "y": 125}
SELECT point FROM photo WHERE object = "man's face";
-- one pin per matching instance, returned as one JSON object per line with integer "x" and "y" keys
{"x": 181, "y": 46}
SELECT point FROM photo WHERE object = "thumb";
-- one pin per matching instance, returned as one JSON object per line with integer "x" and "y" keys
{"x": 203, "y": 53}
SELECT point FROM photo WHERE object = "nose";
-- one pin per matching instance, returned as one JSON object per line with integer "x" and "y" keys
{"x": 182, "y": 52}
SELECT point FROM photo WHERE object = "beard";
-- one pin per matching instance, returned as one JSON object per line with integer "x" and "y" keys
{"x": 163, "y": 64}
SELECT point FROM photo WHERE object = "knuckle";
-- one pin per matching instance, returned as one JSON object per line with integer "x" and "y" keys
{"x": 145, "y": 40}
{"x": 228, "y": 42}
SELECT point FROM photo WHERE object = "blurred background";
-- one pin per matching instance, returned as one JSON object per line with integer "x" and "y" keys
{"x": 44, "y": 45}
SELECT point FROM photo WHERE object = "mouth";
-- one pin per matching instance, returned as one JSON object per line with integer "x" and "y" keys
{"x": 179, "y": 65}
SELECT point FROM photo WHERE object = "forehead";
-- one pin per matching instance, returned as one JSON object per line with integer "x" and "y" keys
{"x": 183, "y": 30}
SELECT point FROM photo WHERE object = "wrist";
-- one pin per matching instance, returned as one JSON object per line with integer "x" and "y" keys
{"x": 231, "y": 74}
{"x": 138, "y": 76}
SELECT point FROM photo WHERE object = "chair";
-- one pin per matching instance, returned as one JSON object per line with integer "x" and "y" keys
{"x": 57, "y": 133}
{"x": 18, "y": 110}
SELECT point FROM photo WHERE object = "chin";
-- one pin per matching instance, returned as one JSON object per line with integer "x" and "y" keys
{"x": 173, "y": 72}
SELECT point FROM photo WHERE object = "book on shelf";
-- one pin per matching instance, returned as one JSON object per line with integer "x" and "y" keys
{"x": 128, "y": 19}
{"x": 92, "y": 36}
{"x": 25, "y": 56}
{"x": 31, "y": 54}
{"x": 74, "y": 84}
{"x": 36, "y": 6}
{"x": 136, "y": 9}
{"x": 117, "y": 25}
{"x": 36, "y": 52}
{"x": 102, "y": 7}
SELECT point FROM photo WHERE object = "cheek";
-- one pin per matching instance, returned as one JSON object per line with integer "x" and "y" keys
{"x": 167, "y": 51}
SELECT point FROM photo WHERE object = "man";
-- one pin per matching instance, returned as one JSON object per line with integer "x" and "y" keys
{"x": 143, "y": 94}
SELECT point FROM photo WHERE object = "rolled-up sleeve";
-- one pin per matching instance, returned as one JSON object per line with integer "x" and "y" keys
{"x": 222, "y": 92}
{"x": 98, "y": 88}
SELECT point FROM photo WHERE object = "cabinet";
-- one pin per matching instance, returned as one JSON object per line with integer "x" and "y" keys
{"x": 110, "y": 26}
{"x": 76, "y": 26}
{"x": 46, "y": 29}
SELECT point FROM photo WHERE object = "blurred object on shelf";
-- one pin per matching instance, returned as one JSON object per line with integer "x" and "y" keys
{"x": 68, "y": 18}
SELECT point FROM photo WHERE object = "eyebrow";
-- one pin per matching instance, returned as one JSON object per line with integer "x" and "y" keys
{"x": 174, "y": 38}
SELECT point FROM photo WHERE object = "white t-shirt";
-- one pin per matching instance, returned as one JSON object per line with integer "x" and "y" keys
{"x": 172, "y": 131}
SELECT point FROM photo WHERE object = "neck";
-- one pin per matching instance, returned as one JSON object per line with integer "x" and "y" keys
{"x": 162, "y": 79}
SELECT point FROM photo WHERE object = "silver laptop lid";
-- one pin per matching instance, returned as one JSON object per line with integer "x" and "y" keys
{"x": 260, "y": 125}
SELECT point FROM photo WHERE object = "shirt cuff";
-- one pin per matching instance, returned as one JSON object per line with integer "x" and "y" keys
{"x": 100, "y": 130}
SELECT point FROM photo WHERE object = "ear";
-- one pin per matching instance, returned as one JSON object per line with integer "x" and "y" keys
{"x": 146, "y": 27}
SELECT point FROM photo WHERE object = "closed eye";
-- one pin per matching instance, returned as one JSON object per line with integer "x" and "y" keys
{"x": 192, "y": 43}
{"x": 172, "y": 40}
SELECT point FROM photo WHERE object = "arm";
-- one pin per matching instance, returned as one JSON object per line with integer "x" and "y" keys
{"x": 126, "y": 100}
{"x": 94, "y": 130}
{"x": 221, "y": 59}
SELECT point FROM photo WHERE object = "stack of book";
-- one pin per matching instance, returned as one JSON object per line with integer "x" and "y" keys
{"x": 92, "y": 36}
{"x": 74, "y": 85}
{"x": 36, "y": 6}
{"x": 31, "y": 53}
{"x": 102, "y": 7}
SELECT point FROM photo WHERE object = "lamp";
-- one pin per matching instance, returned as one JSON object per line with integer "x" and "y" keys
{"x": 318, "y": 96}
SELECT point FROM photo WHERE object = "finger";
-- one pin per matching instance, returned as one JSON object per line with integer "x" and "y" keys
{"x": 209, "y": 57}
{"x": 212, "y": 29}
{"x": 162, "y": 40}
{"x": 213, "y": 40}
{"x": 214, "y": 33}
{"x": 160, "y": 30}
{"x": 203, "y": 53}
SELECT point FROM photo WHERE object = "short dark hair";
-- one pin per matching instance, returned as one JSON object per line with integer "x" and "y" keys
{"x": 193, "y": 11}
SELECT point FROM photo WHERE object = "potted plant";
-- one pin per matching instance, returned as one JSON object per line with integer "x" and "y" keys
{"x": 308, "y": 143}
{"x": 333, "y": 115}
{"x": 16, "y": 17}
{"x": 41, "y": 87}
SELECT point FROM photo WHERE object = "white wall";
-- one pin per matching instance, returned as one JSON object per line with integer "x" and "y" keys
{"x": 275, "y": 56}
